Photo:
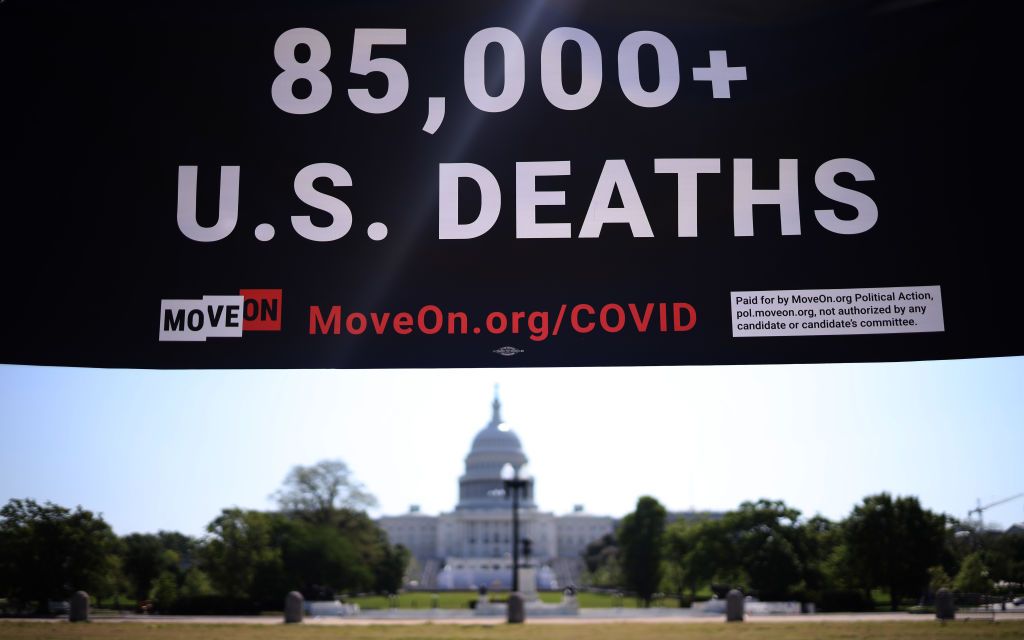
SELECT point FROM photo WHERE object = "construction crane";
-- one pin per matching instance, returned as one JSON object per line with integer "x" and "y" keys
{"x": 980, "y": 510}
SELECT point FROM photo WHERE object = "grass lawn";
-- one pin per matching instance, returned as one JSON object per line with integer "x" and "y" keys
{"x": 19, "y": 630}
{"x": 461, "y": 599}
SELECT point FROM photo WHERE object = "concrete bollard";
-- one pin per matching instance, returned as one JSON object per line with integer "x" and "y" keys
{"x": 734, "y": 606}
{"x": 516, "y": 608}
{"x": 293, "y": 607}
{"x": 79, "y": 607}
{"x": 569, "y": 601}
{"x": 944, "y": 607}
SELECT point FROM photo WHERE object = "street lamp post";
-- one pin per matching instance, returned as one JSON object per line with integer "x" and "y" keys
{"x": 515, "y": 481}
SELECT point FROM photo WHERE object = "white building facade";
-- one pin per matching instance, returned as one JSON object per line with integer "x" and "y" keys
{"x": 471, "y": 546}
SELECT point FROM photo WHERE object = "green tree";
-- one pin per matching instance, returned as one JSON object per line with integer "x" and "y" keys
{"x": 694, "y": 552}
{"x": 320, "y": 560}
{"x": 195, "y": 584}
{"x": 184, "y": 546}
{"x": 601, "y": 558}
{"x": 382, "y": 559}
{"x": 241, "y": 556}
{"x": 677, "y": 547}
{"x": 47, "y": 552}
{"x": 973, "y": 576}
{"x": 318, "y": 491}
{"x": 390, "y": 570}
{"x": 261, "y": 556}
{"x": 819, "y": 538}
{"x": 165, "y": 590}
{"x": 708, "y": 554}
{"x": 771, "y": 562}
{"x": 148, "y": 558}
{"x": 597, "y": 552}
{"x": 938, "y": 579}
{"x": 1004, "y": 557}
{"x": 141, "y": 562}
{"x": 892, "y": 543}
{"x": 641, "y": 545}
{"x": 766, "y": 544}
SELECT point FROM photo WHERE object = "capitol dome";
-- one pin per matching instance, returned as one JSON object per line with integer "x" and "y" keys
{"x": 497, "y": 437}
{"x": 496, "y": 445}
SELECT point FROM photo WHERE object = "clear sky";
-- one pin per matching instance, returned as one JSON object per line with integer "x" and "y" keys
{"x": 155, "y": 450}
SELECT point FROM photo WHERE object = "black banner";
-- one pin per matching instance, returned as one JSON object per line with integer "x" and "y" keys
{"x": 524, "y": 183}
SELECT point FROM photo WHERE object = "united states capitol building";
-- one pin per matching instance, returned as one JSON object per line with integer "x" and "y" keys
{"x": 471, "y": 546}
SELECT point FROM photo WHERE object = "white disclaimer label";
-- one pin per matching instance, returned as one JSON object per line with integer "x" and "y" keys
{"x": 831, "y": 312}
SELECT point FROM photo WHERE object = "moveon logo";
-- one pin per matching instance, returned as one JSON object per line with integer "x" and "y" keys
{"x": 220, "y": 316}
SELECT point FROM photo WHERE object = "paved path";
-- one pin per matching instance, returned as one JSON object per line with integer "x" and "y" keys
{"x": 444, "y": 617}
